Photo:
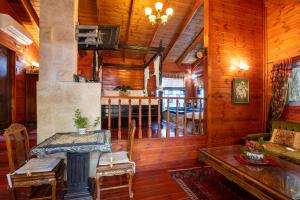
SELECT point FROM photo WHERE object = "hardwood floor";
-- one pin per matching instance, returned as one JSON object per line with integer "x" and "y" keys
{"x": 151, "y": 185}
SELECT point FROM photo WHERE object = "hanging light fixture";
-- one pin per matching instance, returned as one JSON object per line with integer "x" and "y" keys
{"x": 158, "y": 18}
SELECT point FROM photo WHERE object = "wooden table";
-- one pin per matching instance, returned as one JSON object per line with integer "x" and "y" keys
{"x": 265, "y": 182}
{"x": 77, "y": 149}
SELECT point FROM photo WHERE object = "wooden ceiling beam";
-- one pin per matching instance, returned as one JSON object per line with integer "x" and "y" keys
{"x": 191, "y": 47}
{"x": 183, "y": 25}
{"x": 31, "y": 12}
{"x": 130, "y": 13}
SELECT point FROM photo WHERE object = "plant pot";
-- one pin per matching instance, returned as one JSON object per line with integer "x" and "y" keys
{"x": 82, "y": 131}
{"x": 255, "y": 155}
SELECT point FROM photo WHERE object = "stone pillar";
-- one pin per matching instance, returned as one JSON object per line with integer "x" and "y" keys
{"x": 58, "y": 46}
{"x": 57, "y": 95}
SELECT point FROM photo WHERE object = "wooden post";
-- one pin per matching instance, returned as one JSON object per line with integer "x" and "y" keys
{"x": 193, "y": 117}
{"x": 176, "y": 125}
{"x": 159, "y": 119}
{"x": 129, "y": 112}
{"x": 149, "y": 119}
{"x": 119, "y": 121}
{"x": 109, "y": 114}
{"x": 140, "y": 119}
{"x": 168, "y": 118}
{"x": 185, "y": 121}
{"x": 200, "y": 118}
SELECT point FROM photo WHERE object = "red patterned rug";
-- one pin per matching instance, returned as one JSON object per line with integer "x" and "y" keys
{"x": 212, "y": 186}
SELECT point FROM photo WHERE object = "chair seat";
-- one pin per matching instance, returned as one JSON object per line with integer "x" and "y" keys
{"x": 120, "y": 164}
{"x": 114, "y": 158}
{"x": 38, "y": 165}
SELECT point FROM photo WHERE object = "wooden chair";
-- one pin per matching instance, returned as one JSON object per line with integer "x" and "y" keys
{"x": 23, "y": 170}
{"x": 116, "y": 164}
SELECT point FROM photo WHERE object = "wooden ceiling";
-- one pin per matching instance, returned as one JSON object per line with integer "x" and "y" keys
{"x": 181, "y": 36}
{"x": 176, "y": 36}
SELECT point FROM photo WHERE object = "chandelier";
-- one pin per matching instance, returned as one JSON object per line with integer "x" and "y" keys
{"x": 158, "y": 18}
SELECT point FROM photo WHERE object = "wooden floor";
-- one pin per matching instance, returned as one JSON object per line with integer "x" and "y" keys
{"x": 151, "y": 185}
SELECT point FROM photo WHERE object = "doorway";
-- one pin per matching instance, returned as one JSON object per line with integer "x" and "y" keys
{"x": 5, "y": 88}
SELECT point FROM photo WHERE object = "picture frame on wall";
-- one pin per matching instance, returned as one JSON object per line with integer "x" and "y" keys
{"x": 240, "y": 91}
{"x": 294, "y": 85}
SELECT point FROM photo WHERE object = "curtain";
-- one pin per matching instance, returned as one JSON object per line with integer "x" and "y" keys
{"x": 280, "y": 75}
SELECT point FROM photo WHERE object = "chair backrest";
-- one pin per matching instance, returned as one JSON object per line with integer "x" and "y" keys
{"x": 131, "y": 134}
{"x": 21, "y": 144}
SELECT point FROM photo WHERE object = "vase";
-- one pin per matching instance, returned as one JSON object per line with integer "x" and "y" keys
{"x": 82, "y": 131}
{"x": 255, "y": 155}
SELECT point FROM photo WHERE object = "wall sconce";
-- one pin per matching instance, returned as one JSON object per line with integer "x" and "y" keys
{"x": 241, "y": 66}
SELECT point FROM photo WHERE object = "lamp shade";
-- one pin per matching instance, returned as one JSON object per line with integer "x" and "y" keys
{"x": 148, "y": 11}
{"x": 169, "y": 12}
{"x": 158, "y": 6}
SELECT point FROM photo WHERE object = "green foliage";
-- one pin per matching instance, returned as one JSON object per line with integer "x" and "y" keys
{"x": 123, "y": 88}
{"x": 81, "y": 121}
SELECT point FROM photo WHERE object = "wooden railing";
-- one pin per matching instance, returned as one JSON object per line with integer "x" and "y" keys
{"x": 157, "y": 117}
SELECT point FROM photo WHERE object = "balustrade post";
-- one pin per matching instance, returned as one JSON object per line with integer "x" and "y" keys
{"x": 184, "y": 118}
{"x": 176, "y": 120}
{"x": 119, "y": 121}
{"x": 129, "y": 112}
{"x": 149, "y": 119}
{"x": 200, "y": 118}
{"x": 193, "y": 117}
{"x": 109, "y": 114}
{"x": 168, "y": 118}
{"x": 159, "y": 119}
{"x": 140, "y": 119}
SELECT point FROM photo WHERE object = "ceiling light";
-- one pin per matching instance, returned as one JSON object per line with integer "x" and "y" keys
{"x": 158, "y": 6}
{"x": 158, "y": 18}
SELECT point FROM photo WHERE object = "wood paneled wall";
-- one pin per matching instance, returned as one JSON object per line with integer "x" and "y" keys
{"x": 114, "y": 76}
{"x": 166, "y": 153}
{"x": 233, "y": 32}
{"x": 19, "y": 76}
{"x": 282, "y": 41}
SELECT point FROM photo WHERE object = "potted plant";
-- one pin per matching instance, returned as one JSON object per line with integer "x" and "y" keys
{"x": 254, "y": 150}
{"x": 123, "y": 89}
{"x": 82, "y": 123}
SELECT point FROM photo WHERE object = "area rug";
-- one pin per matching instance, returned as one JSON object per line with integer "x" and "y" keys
{"x": 212, "y": 186}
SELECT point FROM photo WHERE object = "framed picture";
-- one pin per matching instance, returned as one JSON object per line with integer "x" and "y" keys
{"x": 294, "y": 85}
{"x": 240, "y": 90}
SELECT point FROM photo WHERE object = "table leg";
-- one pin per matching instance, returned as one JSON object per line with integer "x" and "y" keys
{"x": 77, "y": 176}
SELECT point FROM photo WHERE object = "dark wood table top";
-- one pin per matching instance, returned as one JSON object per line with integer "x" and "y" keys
{"x": 283, "y": 179}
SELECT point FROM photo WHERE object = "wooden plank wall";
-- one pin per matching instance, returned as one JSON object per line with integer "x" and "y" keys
{"x": 19, "y": 77}
{"x": 114, "y": 76}
{"x": 233, "y": 32}
{"x": 283, "y": 41}
{"x": 153, "y": 154}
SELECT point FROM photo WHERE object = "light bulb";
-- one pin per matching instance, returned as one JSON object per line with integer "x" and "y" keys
{"x": 169, "y": 12}
{"x": 148, "y": 11}
{"x": 158, "y": 6}
{"x": 164, "y": 19}
{"x": 244, "y": 66}
{"x": 152, "y": 19}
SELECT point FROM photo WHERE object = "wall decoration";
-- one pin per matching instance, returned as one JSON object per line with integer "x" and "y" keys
{"x": 240, "y": 90}
{"x": 294, "y": 86}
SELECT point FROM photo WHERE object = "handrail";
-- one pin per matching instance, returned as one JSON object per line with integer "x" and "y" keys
{"x": 186, "y": 117}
